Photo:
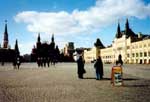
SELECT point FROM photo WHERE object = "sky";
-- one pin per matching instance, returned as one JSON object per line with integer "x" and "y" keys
{"x": 78, "y": 21}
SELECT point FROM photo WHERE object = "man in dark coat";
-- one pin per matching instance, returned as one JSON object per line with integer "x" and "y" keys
{"x": 99, "y": 68}
{"x": 81, "y": 70}
{"x": 119, "y": 62}
{"x": 38, "y": 62}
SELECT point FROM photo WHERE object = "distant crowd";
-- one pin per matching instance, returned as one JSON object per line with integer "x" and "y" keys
{"x": 42, "y": 62}
{"x": 46, "y": 62}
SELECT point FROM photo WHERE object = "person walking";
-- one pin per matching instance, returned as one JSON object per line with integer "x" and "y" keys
{"x": 38, "y": 62}
{"x": 14, "y": 63}
{"x": 119, "y": 62}
{"x": 99, "y": 68}
{"x": 18, "y": 62}
{"x": 80, "y": 65}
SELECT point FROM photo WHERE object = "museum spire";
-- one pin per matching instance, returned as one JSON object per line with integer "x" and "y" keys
{"x": 39, "y": 39}
{"x": 5, "y": 40}
{"x": 16, "y": 48}
{"x": 52, "y": 39}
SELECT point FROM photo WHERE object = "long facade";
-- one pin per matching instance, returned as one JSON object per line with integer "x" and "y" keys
{"x": 134, "y": 48}
{"x": 132, "y": 52}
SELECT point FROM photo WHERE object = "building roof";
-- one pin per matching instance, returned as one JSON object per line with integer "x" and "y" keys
{"x": 99, "y": 44}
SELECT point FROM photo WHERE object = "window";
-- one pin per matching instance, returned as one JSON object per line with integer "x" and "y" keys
{"x": 128, "y": 55}
{"x": 141, "y": 54}
{"x": 128, "y": 47}
{"x": 149, "y": 54}
{"x": 132, "y": 47}
{"x": 136, "y": 60}
{"x": 119, "y": 48}
{"x": 132, "y": 54}
{"x": 137, "y": 55}
{"x": 145, "y": 61}
{"x": 140, "y": 46}
{"x": 145, "y": 54}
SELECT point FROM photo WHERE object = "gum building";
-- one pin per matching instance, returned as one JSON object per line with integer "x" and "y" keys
{"x": 134, "y": 48}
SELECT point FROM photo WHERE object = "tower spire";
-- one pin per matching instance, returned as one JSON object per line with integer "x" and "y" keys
{"x": 38, "y": 44}
{"x": 16, "y": 48}
{"x": 118, "y": 34}
{"x": 39, "y": 39}
{"x": 127, "y": 24}
{"x": 5, "y": 40}
{"x": 127, "y": 29}
{"x": 52, "y": 39}
{"x": 99, "y": 44}
{"x": 52, "y": 44}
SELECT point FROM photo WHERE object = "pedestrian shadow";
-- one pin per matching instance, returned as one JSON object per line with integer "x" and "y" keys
{"x": 130, "y": 79}
{"x": 125, "y": 79}
{"x": 95, "y": 78}
{"x": 89, "y": 78}
{"x": 106, "y": 79}
{"x": 140, "y": 85}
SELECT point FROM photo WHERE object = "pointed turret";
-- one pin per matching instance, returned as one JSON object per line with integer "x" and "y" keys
{"x": 118, "y": 34}
{"x": 52, "y": 44}
{"x": 39, "y": 39}
{"x": 127, "y": 25}
{"x": 99, "y": 44}
{"x": 5, "y": 40}
{"x": 128, "y": 31}
{"x": 38, "y": 44}
{"x": 52, "y": 39}
{"x": 16, "y": 48}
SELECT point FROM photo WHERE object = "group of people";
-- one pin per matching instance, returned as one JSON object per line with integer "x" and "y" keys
{"x": 98, "y": 65}
{"x": 98, "y": 68}
{"x": 43, "y": 61}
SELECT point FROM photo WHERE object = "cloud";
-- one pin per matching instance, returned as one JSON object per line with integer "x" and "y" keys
{"x": 26, "y": 47}
{"x": 103, "y": 13}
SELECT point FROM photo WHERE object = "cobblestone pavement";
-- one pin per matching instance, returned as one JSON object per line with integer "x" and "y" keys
{"x": 60, "y": 84}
